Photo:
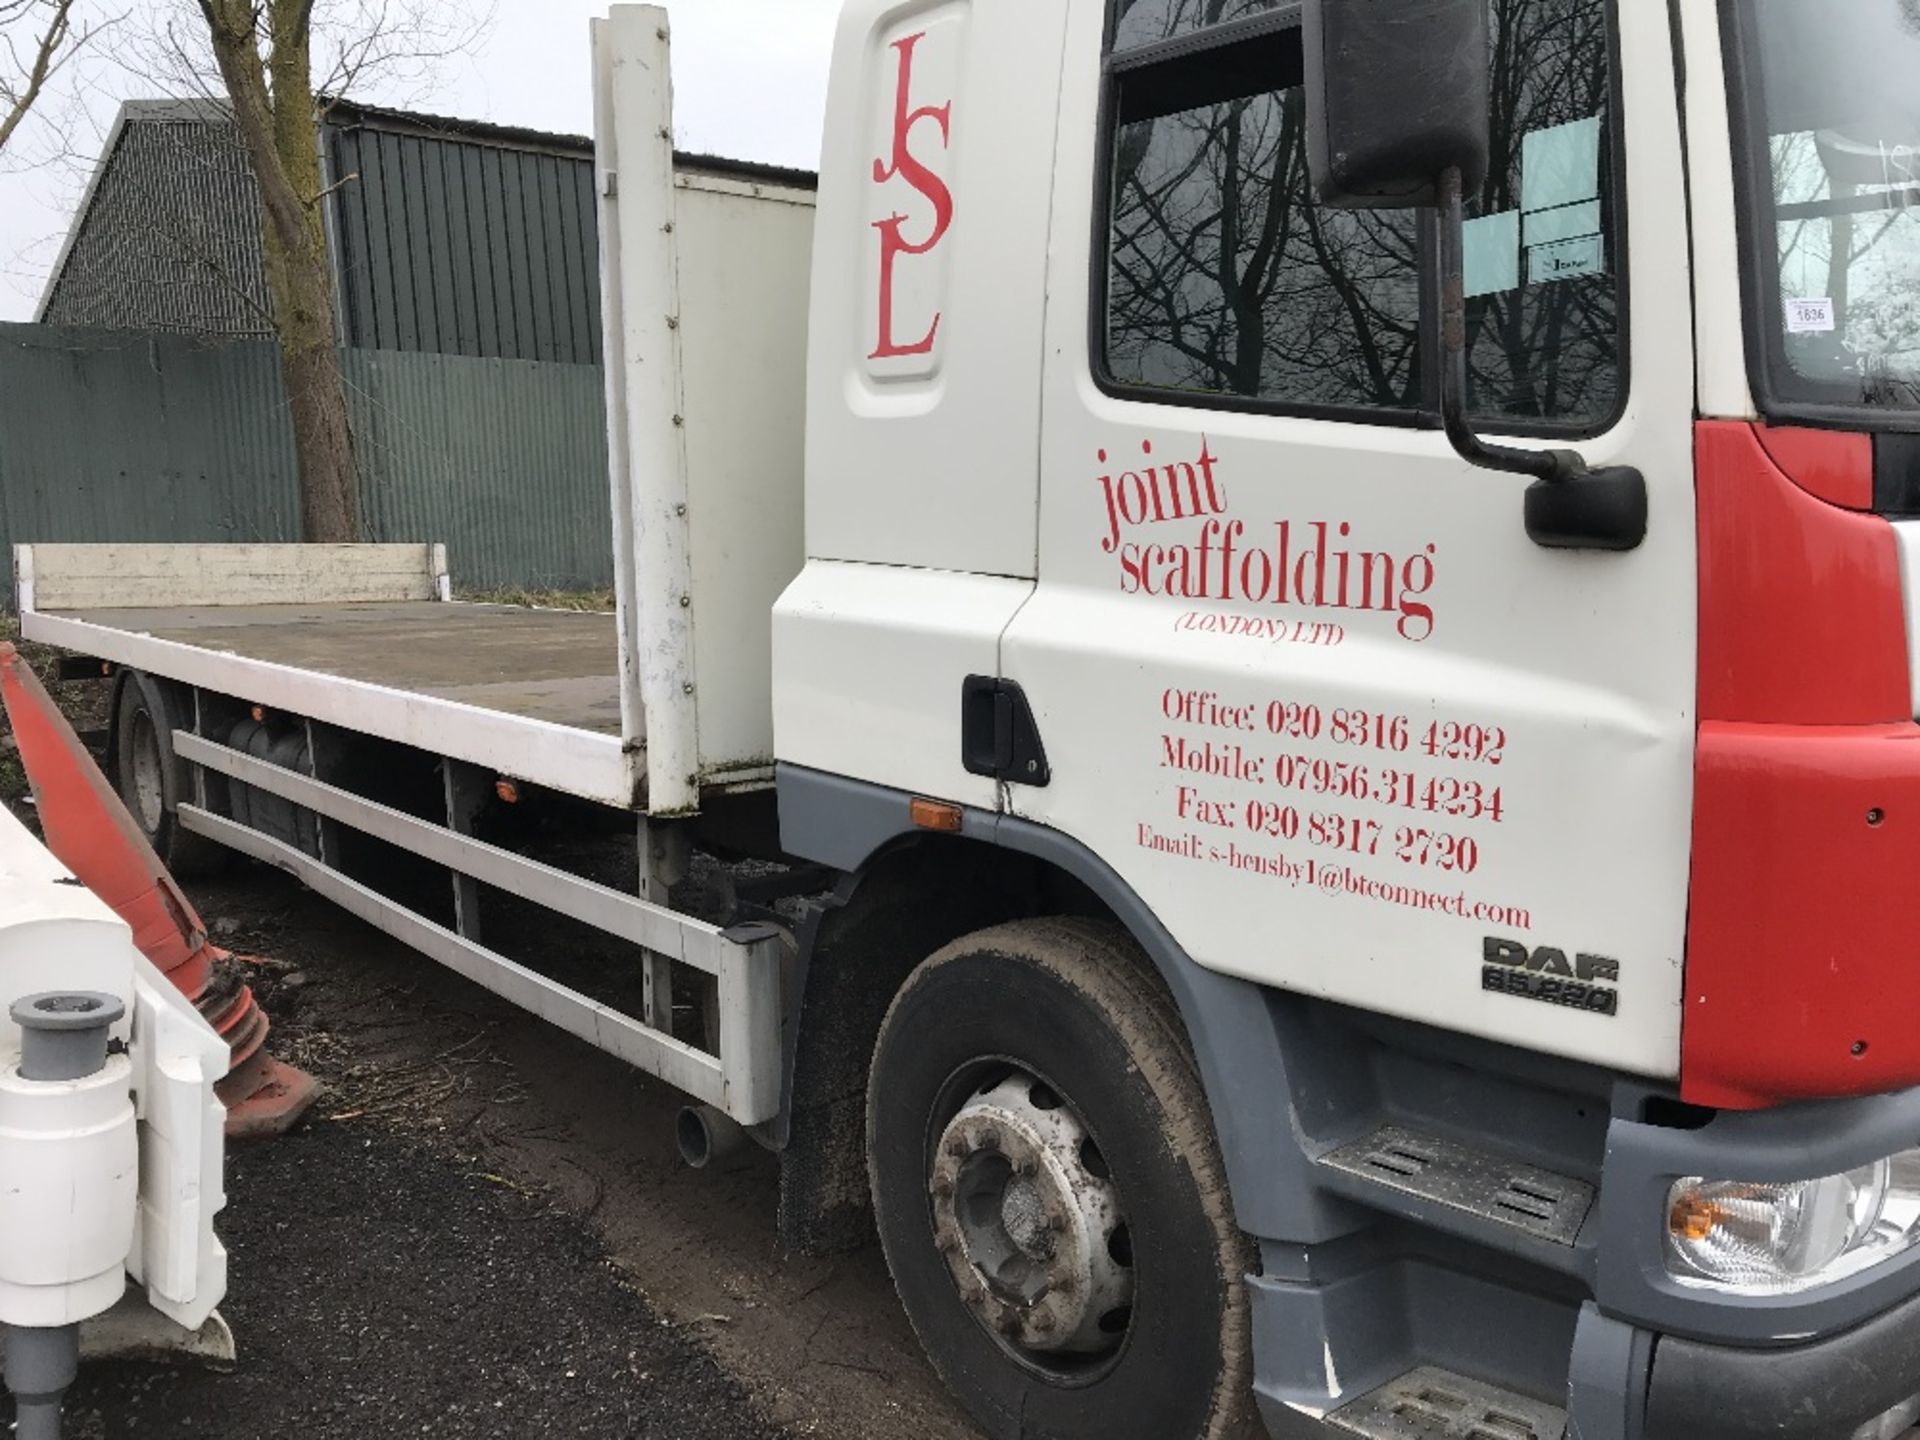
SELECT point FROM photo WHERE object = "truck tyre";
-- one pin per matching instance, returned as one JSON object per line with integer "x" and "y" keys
{"x": 152, "y": 781}
{"x": 1050, "y": 1195}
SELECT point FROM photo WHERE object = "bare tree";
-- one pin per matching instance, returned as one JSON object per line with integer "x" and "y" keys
{"x": 36, "y": 38}
{"x": 265, "y": 56}
{"x": 260, "y": 58}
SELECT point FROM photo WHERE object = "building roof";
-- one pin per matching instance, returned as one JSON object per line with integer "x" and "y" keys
{"x": 344, "y": 114}
{"x": 349, "y": 112}
{"x": 200, "y": 118}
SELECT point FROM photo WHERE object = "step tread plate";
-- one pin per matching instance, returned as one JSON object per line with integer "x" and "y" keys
{"x": 1461, "y": 1177}
{"x": 1435, "y": 1404}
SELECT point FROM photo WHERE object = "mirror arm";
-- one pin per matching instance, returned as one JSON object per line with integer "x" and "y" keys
{"x": 1549, "y": 465}
{"x": 1569, "y": 506}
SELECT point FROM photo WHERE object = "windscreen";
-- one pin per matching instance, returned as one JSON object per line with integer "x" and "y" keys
{"x": 1831, "y": 93}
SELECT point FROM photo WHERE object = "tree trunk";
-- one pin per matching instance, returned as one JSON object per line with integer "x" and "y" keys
{"x": 316, "y": 397}
{"x": 329, "y": 500}
{"x": 273, "y": 106}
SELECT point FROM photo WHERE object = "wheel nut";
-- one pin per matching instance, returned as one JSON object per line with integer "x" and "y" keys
{"x": 1008, "y": 1323}
{"x": 957, "y": 1147}
{"x": 1026, "y": 1169}
{"x": 1043, "y": 1322}
{"x": 943, "y": 1186}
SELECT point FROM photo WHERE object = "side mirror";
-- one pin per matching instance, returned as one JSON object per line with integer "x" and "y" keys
{"x": 1398, "y": 92}
{"x": 1399, "y": 115}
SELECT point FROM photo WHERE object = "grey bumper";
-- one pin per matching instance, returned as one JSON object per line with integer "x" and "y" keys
{"x": 1822, "y": 1391}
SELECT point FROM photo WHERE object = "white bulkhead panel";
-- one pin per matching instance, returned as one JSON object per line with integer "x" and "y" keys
{"x": 704, "y": 286}
{"x": 746, "y": 249}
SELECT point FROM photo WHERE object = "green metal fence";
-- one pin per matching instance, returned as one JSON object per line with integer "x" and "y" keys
{"x": 110, "y": 435}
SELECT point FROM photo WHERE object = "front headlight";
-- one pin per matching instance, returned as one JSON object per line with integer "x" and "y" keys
{"x": 1778, "y": 1239}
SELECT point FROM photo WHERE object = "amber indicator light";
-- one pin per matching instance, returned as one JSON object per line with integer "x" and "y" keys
{"x": 937, "y": 815}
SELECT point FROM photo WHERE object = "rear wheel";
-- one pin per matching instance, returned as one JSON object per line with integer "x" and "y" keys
{"x": 1050, "y": 1196}
{"x": 152, "y": 781}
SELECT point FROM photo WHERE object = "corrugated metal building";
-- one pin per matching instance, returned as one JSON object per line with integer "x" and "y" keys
{"x": 466, "y": 267}
{"x": 448, "y": 236}
{"x": 165, "y": 237}
{"x": 117, "y": 435}
{"x": 464, "y": 239}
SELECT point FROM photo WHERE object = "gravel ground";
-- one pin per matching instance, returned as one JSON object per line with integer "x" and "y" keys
{"x": 381, "y": 1288}
{"x": 482, "y": 1229}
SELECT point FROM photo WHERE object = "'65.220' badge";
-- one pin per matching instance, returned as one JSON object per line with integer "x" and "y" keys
{"x": 1584, "y": 982}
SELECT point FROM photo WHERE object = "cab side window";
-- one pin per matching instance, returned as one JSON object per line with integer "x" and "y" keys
{"x": 1544, "y": 310}
{"x": 1225, "y": 278}
{"x": 1227, "y": 284}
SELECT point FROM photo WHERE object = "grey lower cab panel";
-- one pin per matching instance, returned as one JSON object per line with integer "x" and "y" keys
{"x": 1539, "y": 1202}
{"x": 1431, "y": 1404}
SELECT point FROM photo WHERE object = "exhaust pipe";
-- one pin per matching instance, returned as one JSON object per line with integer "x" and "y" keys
{"x": 705, "y": 1136}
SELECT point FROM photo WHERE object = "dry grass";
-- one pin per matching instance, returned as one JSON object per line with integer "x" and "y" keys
{"x": 594, "y": 601}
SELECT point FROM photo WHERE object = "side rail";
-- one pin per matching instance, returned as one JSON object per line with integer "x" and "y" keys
{"x": 741, "y": 1079}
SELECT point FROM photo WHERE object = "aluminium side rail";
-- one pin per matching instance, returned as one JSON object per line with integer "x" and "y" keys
{"x": 742, "y": 1080}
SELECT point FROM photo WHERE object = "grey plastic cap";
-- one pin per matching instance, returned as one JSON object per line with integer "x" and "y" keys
{"x": 63, "y": 1035}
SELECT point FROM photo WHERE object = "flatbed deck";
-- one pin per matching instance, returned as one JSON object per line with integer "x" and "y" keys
{"x": 557, "y": 666}
{"x": 532, "y": 694}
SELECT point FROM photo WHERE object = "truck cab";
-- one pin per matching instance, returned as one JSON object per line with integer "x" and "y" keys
{"x": 1528, "y": 907}
{"x": 1332, "y": 771}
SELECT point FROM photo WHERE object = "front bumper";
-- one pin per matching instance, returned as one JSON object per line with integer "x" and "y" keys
{"x": 1711, "y": 1366}
{"x": 1600, "y": 1326}
{"x": 1822, "y": 1391}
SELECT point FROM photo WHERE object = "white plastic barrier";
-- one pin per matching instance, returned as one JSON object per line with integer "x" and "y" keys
{"x": 120, "y": 1171}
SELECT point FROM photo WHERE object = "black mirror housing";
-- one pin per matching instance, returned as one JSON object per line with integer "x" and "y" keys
{"x": 1398, "y": 91}
{"x": 1400, "y": 116}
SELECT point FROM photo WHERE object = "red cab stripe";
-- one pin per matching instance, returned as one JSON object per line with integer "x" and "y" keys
{"x": 1801, "y": 978}
{"x": 1828, "y": 464}
{"x": 1801, "y": 616}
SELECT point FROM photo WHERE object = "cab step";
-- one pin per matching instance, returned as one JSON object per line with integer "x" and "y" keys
{"x": 1539, "y": 1202}
{"x": 1435, "y": 1404}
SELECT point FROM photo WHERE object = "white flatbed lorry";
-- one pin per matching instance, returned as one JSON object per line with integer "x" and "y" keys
{"x": 1317, "y": 920}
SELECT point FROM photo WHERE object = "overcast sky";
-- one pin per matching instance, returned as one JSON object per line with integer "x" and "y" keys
{"x": 750, "y": 81}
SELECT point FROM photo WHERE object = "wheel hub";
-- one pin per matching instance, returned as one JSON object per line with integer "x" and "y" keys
{"x": 1030, "y": 1222}
{"x": 149, "y": 793}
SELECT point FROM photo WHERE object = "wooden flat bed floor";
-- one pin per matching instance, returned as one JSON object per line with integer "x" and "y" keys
{"x": 555, "y": 666}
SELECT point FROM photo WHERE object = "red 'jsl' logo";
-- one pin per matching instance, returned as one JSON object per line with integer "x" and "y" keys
{"x": 893, "y": 240}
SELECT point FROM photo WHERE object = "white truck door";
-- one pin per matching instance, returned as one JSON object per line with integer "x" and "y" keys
{"x": 1304, "y": 681}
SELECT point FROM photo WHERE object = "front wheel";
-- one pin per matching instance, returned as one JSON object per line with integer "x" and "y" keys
{"x": 1050, "y": 1196}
